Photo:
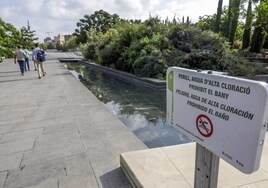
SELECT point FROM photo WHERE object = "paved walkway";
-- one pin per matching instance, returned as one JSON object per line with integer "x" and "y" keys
{"x": 55, "y": 133}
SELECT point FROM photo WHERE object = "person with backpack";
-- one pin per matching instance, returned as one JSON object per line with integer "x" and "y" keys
{"x": 38, "y": 58}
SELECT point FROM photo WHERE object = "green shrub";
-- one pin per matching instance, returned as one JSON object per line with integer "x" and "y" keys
{"x": 147, "y": 49}
{"x": 90, "y": 52}
{"x": 149, "y": 66}
{"x": 237, "y": 66}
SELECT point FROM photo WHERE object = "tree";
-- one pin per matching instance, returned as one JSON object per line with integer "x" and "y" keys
{"x": 27, "y": 37}
{"x": 234, "y": 15}
{"x": 71, "y": 43}
{"x": 51, "y": 46}
{"x": 228, "y": 21}
{"x": 261, "y": 27}
{"x": 59, "y": 46}
{"x": 218, "y": 17}
{"x": 206, "y": 22}
{"x": 9, "y": 38}
{"x": 100, "y": 20}
{"x": 247, "y": 28}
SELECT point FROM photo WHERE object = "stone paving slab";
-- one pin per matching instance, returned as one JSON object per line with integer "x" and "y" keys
{"x": 78, "y": 181}
{"x": 16, "y": 146}
{"x": 3, "y": 176}
{"x": 173, "y": 166}
{"x": 55, "y": 133}
{"x": 5, "y": 129}
{"x": 13, "y": 136}
{"x": 11, "y": 161}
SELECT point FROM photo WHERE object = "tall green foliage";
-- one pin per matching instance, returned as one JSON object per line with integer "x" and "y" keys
{"x": 235, "y": 10}
{"x": 100, "y": 20}
{"x": 261, "y": 27}
{"x": 218, "y": 17}
{"x": 27, "y": 37}
{"x": 9, "y": 38}
{"x": 148, "y": 48}
{"x": 247, "y": 28}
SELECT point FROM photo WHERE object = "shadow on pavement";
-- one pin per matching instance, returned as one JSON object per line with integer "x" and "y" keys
{"x": 114, "y": 179}
{"x": 15, "y": 80}
{"x": 6, "y": 72}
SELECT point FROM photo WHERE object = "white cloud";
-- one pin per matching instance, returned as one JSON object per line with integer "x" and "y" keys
{"x": 32, "y": 7}
{"x": 60, "y": 16}
{"x": 7, "y": 12}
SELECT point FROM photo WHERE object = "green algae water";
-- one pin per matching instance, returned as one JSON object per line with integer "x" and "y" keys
{"x": 141, "y": 109}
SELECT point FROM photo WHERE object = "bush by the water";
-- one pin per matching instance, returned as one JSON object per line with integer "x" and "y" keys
{"x": 147, "y": 49}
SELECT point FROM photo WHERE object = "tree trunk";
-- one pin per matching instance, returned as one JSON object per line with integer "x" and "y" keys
{"x": 257, "y": 39}
{"x": 229, "y": 18}
{"x": 218, "y": 17}
{"x": 259, "y": 34}
{"x": 234, "y": 20}
{"x": 247, "y": 29}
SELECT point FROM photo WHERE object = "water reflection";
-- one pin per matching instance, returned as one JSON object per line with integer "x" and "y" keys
{"x": 141, "y": 109}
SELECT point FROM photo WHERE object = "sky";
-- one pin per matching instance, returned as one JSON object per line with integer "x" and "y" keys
{"x": 53, "y": 17}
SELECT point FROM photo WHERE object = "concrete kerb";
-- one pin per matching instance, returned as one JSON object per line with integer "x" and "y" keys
{"x": 159, "y": 85}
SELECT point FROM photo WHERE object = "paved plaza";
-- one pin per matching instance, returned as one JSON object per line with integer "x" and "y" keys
{"x": 55, "y": 133}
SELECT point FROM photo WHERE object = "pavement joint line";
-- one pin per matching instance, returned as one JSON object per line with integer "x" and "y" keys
{"x": 78, "y": 131}
{"x": 21, "y": 160}
{"x": 175, "y": 166}
{"x": 96, "y": 178}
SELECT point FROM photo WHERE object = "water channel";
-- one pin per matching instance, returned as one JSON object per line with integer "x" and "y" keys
{"x": 141, "y": 109}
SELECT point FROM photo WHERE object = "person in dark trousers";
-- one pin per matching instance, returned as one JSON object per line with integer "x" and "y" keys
{"x": 19, "y": 57}
{"x": 27, "y": 52}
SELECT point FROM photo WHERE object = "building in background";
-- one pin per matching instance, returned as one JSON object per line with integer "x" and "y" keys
{"x": 59, "y": 39}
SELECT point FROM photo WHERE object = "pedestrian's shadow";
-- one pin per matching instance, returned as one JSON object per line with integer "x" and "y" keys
{"x": 15, "y": 80}
{"x": 7, "y": 75}
{"x": 7, "y": 72}
{"x": 114, "y": 179}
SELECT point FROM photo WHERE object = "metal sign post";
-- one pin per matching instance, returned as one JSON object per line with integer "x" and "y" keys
{"x": 206, "y": 165}
{"x": 206, "y": 168}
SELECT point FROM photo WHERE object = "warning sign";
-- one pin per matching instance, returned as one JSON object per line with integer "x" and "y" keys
{"x": 204, "y": 125}
{"x": 226, "y": 115}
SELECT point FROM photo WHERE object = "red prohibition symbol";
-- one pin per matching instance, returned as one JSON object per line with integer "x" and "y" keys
{"x": 204, "y": 125}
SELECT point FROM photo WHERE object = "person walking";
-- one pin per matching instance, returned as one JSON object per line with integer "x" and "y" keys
{"x": 19, "y": 56}
{"x": 38, "y": 62}
{"x": 27, "y": 58}
{"x": 35, "y": 68}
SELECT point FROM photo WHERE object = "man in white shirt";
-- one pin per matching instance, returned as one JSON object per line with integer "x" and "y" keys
{"x": 19, "y": 56}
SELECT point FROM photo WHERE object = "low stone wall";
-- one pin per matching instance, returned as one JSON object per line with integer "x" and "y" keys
{"x": 147, "y": 82}
{"x": 263, "y": 78}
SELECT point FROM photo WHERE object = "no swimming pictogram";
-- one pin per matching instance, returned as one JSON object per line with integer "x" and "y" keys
{"x": 204, "y": 125}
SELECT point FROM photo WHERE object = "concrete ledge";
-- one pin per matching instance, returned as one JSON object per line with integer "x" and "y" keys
{"x": 69, "y": 60}
{"x": 152, "y": 83}
{"x": 173, "y": 166}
